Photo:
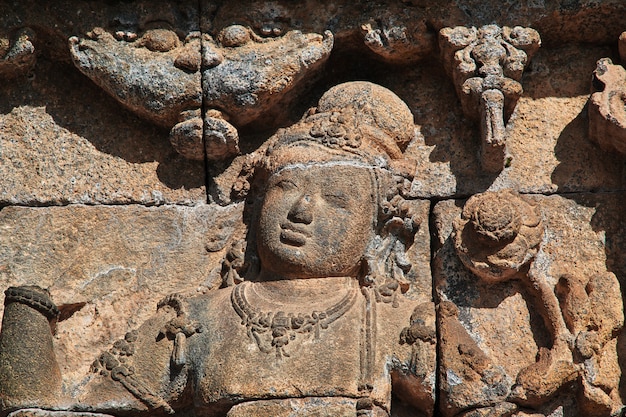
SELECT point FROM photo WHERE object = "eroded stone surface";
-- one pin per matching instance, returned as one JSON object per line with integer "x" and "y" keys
{"x": 155, "y": 75}
{"x": 607, "y": 113}
{"x": 33, "y": 412}
{"x": 18, "y": 53}
{"x": 549, "y": 332}
{"x": 550, "y": 150}
{"x": 248, "y": 79}
{"x": 58, "y": 148}
{"x": 532, "y": 331}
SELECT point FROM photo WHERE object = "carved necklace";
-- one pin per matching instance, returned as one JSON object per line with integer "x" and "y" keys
{"x": 272, "y": 331}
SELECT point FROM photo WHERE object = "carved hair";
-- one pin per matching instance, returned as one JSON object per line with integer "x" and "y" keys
{"x": 359, "y": 122}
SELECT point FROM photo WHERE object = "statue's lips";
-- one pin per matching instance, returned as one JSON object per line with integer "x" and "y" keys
{"x": 293, "y": 235}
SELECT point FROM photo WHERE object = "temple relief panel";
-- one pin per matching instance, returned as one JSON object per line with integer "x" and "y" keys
{"x": 278, "y": 208}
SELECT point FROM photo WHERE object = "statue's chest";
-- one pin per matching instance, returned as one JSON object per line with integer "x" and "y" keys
{"x": 251, "y": 354}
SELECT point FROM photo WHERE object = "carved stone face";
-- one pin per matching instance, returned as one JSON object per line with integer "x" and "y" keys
{"x": 316, "y": 220}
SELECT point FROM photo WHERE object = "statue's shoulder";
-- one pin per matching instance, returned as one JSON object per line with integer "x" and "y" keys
{"x": 199, "y": 304}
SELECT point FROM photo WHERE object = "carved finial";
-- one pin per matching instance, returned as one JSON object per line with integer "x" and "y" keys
{"x": 607, "y": 105}
{"x": 498, "y": 233}
{"x": 486, "y": 65}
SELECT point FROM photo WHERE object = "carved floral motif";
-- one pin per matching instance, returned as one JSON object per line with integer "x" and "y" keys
{"x": 497, "y": 234}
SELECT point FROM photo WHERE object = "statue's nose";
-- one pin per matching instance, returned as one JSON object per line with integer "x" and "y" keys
{"x": 301, "y": 211}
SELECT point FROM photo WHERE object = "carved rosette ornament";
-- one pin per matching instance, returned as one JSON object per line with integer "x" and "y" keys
{"x": 607, "y": 105}
{"x": 498, "y": 234}
{"x": 486, "y": 65}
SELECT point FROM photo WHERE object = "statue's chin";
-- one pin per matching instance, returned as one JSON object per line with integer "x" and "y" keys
{"x": 285, "y": 261}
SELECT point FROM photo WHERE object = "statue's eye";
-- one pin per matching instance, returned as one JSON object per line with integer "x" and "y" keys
{"x": 338, "y": 199}
{"x": 286, "y": 185}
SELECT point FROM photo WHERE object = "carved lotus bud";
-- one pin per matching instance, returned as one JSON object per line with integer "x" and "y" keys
{"x": 498, "y": 234}
{"x": 494, "y": 223}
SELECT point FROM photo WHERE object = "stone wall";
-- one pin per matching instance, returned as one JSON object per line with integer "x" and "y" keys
{"x": 129, "y": 131}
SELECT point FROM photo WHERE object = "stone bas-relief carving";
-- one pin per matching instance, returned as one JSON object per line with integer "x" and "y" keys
{"x": 522, "y": 329}
{"x": 529, "y": 311}
{"x": 316, "y": 321}
{"x": 107, "y": 267}
{"x": 486, "y": 65}
{"x": 244, "y": 79}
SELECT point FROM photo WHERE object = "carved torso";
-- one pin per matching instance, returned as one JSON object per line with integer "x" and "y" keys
{"x": 332, "y": 353}
{"x": 234, "y": 362}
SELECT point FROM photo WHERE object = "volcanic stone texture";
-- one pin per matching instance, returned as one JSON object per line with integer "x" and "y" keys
{"x": 63, "y": 140}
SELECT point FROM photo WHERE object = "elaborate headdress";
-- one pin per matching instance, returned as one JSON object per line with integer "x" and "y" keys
{"x": 357, "y": 120}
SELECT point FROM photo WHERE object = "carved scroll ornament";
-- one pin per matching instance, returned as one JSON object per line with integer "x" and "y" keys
{"x": 239, "y": 77}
